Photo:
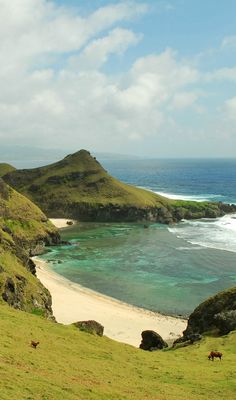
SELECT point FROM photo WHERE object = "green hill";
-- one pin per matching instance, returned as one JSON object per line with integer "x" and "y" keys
{"x": 78, "y": 187}
{"x": 5, "y": 168}
{"x": 71, "y": 365}
{"x": 24, "y": 230}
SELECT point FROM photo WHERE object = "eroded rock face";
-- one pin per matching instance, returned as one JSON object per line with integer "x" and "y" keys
{"x": 218, "y": 313}
{"x": 226, "y": 321}
{"x": 188, "y": 339}
{"x": 12, "y": 293}
{"x": 90, "y": 326}
{"x": 152, "y": 341}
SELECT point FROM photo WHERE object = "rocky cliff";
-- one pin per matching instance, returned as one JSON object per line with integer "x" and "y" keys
{"x": 24, "y": 231}
{"x": 79, "y": 187}
{"x": 217, "y": 314}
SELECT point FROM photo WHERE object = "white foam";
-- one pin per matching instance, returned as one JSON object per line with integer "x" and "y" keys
{"x": 201, "y": 197}
{"x": 219, "y": 233}
{"x": 175, "y": 196}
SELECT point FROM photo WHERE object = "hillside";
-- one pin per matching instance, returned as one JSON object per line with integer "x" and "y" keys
{"x": 69, "y": 364}
{"x": 78, "y": 187}
{"x": 5, "y": 168}
{"x": 24, "y": 230}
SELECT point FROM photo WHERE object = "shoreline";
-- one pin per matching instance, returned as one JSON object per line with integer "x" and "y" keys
{"x": 122, "y": 322}
{"x": 62, "y": 222}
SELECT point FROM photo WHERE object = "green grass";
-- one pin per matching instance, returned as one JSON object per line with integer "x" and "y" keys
{"x": 5, "y": 168}
{"x": 79, "y": 178}
{"x": 79, "y": 187}
{"x": 70, "y": 364}
{"x": 23, "y": 228}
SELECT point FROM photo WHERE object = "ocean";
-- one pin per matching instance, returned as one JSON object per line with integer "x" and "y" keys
{"x": 170, "y": 269}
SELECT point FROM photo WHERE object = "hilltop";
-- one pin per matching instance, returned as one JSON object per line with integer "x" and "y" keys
{"x": 24, "y": 230}
{"x": 79, "y": 187}
{"x": 5, "y": 168}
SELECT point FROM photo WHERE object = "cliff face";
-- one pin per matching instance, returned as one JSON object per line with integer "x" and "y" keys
{"x": 217, "y": 314}
{"x": 78, "y": 187}
{"x": 24, "y": 230}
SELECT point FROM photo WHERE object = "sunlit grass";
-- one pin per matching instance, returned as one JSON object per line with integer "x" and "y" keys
{"x": 69, "y": 364}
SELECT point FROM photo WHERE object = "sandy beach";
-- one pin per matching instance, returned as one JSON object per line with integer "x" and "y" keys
{"x": 122, "y": 322}
{"x": 61, "y": 222}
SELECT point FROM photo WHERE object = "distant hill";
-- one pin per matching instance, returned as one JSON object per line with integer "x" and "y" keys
{"x": 79, "y": 187}
{"x": 115, "y": 156}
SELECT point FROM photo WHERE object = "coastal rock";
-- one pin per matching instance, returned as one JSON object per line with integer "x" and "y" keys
{"x": 24, "y": 231}
{"x": 216, "y": 314}
{"x": 152, "y": 341}
{"x": 90, "y": 326}
{"x": 226, "y": 321}
{"x": 188, "y": 339}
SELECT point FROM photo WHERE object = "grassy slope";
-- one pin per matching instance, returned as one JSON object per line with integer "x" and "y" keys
{"x": 95, "y": 187}
{"x": 22, "y": 217}
{"x": 69, "y": 364}
{"x": 5, "y": 168}
{"x": 22, "y": 225}
{"x": 79, "y": 187}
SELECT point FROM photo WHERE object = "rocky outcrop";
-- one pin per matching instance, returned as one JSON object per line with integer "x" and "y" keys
{"x": 218, "y": 314}
{"x": 24, "y": 231}
{"x": 225, "y": 321}
{"x": 187, "y": 339}
{"x": 152, "y": 341}
{"x": 90, "y": 326}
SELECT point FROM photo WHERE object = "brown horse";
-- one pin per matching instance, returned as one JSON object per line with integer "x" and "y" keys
{"x": 34, "y": 344}
{"x": 215, "y": 354}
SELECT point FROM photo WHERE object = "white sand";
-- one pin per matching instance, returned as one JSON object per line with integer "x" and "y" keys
{"x": 122, "y": 322}
{"x": 61, "y": 222}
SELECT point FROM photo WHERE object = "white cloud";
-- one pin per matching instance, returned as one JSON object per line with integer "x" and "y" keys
{"x": 229, "y": 41}
{"x": 53, "y": 90}
{"x": 98, "y": 51}
{"x": 230, "y": 108}
{"x": 227, "y": 74}
{"x": 32, "y": 28}
{"x": 183, "y": 100}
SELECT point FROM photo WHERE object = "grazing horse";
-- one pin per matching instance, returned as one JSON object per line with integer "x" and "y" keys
{"x": 34, "y": 344}
{"x": 215, "y": 354}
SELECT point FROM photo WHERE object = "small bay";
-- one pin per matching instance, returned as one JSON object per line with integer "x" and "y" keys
{"x": 150, "y": 268}
{"x": 170, "y": 269}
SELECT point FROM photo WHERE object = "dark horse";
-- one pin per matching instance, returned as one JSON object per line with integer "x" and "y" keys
{"x": 215, "y": 354}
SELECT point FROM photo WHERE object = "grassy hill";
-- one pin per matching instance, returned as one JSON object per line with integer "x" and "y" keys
{"x": 5, "y": 168}
{"x": 69, "y": 364}
{"x": 24, "y": 230}
{"x": 79, "y": 187}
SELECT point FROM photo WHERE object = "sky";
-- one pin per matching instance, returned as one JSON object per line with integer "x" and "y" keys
{"x": 148, "y": 78}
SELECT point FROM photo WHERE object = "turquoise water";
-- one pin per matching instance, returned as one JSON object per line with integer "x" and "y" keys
{"x": 155, "y": 268}
{"x": 167, "y": 269}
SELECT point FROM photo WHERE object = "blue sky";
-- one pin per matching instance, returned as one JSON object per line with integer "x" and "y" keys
{"x": 152, "y": 78}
